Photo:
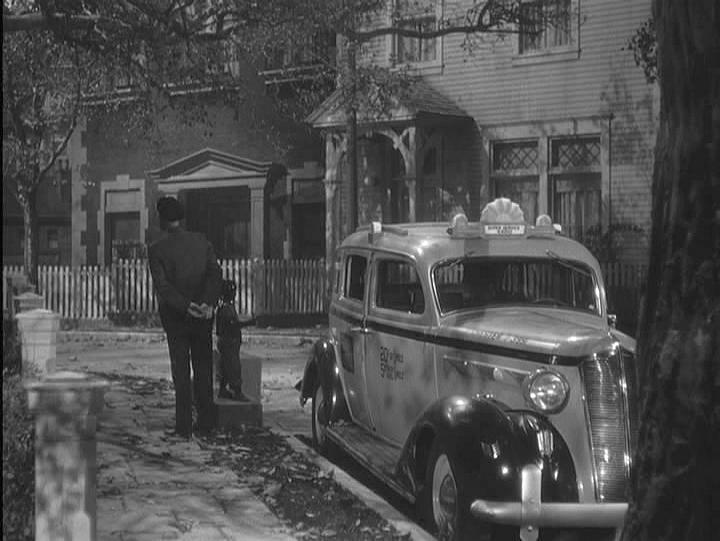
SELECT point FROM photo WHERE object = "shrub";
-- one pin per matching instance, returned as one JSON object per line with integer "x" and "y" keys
{"x": 18, "y": 470}
{"x": 11, "y": 347}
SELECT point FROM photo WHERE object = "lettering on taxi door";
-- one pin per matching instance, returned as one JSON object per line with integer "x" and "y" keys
{"x": 392, "y": 364}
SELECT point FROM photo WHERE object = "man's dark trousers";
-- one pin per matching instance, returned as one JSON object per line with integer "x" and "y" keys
{"x": 185, "y": 342}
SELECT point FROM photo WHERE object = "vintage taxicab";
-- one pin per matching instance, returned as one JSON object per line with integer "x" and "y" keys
{"x": 474, "y": 368}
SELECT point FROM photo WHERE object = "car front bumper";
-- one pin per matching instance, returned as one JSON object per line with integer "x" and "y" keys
{"x": 531, "y": 513}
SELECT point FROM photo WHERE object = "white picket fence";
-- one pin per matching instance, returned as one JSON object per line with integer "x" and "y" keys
{"x": 95, "y": 292}
{"x": 270, "y": 287}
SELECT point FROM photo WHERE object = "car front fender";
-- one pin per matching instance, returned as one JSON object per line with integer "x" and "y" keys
{"x": 321, "y": 369}
{"x": 491, "y": 444}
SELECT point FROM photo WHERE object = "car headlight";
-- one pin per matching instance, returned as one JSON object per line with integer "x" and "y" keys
{"x": 547, "y": 391}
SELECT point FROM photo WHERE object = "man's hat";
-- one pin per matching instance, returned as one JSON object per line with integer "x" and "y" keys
{"x": 170, "y": 209}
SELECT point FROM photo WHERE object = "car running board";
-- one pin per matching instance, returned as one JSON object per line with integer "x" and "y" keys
{"x": 376, "y": 455}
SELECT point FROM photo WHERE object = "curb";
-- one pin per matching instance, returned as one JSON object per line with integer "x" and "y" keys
{"x": 407, "y": 528}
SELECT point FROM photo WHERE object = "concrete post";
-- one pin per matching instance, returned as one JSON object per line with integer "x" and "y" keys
{"x": 38, "y": 331}
{"x": 234, "y": 414}
{"x": 28, "y": 301}
{"x": 65, "y": 405}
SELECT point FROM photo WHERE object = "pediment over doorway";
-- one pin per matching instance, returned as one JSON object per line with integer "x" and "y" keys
{"x": 209, "y": 166}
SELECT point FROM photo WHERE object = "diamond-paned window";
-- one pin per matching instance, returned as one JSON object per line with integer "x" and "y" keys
{"x": 574, "y": 153}
{"x": 518, "y": 155}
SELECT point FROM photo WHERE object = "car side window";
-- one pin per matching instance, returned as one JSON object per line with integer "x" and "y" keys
{"x": 355, "y": 267}
{"x": 398, "y": 287}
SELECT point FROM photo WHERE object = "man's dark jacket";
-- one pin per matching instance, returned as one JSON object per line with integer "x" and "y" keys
{"x": 184, "y": 269}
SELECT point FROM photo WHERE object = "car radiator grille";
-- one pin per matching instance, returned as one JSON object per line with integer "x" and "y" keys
{"x": 611, "y": 409}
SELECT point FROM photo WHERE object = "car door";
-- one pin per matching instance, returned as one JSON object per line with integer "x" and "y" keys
{"x": 399, "y": 374}
{"x": 348, "y": 319}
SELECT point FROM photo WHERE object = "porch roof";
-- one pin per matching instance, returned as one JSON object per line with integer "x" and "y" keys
{"x": 420, "y": 102}
{"x": 200, "y": 164}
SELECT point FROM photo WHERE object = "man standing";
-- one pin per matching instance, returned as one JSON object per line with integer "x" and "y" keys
{"x": 187, "y": 281}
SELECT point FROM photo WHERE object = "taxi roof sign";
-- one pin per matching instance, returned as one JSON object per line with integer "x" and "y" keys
{"x": 501, "y": 218}
{"x": 502, "y": 210}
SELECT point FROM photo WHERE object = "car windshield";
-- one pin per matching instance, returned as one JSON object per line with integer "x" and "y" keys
{"x": 474, "y": 282}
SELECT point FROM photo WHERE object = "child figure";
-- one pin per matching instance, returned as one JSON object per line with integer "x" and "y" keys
{"x": 229, "y": 337}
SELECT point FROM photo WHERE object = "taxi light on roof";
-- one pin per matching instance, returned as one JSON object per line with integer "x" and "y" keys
{"x": 543, "y": 221}
{"x": 501, "y": 218}
{"x": 459, "y": 220}
{"x": 502, "y": 210}
{"x": 545, "y": 227}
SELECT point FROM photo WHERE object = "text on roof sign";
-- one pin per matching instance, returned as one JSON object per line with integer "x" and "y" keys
{"x": 504, "y": 229}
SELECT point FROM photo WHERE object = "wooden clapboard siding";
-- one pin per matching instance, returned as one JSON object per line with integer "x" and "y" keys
{"x": 498, "y": 88}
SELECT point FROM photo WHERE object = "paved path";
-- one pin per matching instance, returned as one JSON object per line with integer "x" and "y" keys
{"x": 155, "y": 487}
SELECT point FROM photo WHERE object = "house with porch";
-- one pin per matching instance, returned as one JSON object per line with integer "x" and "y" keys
{"x": 555, "y": 116}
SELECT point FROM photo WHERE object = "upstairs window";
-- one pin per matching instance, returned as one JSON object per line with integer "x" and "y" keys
{"x": 545, "y": 25}
{"x": 420, "y": 15}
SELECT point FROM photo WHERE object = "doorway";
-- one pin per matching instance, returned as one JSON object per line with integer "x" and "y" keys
{"x": 223, "y": 214}
{"x": 122, "y": 230}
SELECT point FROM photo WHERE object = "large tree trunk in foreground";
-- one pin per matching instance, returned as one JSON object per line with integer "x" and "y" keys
{"x": 675, "y": 489}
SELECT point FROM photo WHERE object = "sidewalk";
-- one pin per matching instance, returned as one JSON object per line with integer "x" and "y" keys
{"x": 155, "y": 487}
{"x": 152, "y": 486}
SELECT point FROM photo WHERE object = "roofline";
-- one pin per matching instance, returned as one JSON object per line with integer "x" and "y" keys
{"x": 212, "y": 155}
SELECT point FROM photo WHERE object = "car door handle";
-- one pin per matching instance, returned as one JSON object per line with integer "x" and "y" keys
{"x": 360, "y": 330}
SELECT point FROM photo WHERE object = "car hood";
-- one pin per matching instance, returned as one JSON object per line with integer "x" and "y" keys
{"x": 549, "y": 331}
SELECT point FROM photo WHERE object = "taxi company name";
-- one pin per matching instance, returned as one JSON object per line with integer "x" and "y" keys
{"x": 391, "y": 364}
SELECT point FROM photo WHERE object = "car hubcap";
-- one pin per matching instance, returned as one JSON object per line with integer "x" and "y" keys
{"x": 319, "y": 424}
{"x": 444, "y": 495}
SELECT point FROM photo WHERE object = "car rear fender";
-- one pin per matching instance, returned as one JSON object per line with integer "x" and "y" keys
{"x": 322, "y": 369}
{"x": 491, "y": 444}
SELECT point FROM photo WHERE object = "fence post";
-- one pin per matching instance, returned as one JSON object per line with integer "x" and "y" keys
{"x": 258, "y": 274}
{"x": 38, "y": 330}
{"x": 65, "y": 405}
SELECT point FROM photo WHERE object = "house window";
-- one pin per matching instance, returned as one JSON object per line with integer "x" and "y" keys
{"x": 575, "y": 183}
{"x": 545, "y": 25}
{"x": 515, "y": 174}
{"x": 421, "y": 15}
{"x": 53, "y": 239}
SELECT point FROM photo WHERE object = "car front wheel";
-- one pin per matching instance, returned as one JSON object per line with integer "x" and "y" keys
{"x": 319, "y": 422}
{"x": 445, "y": 505}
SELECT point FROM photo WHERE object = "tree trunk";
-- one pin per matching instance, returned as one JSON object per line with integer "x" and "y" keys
{"x": 31, "y": 236}
{"x": 676, "y": 470}
{"x": 352, "y": 140}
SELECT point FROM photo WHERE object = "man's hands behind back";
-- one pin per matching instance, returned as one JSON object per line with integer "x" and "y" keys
{"x": 200, "y": 311}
